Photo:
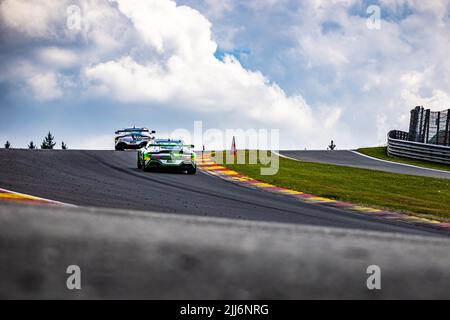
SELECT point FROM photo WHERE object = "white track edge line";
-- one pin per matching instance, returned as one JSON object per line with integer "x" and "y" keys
{"x": 399, "y": 163}
{"x": 286, "y": 157}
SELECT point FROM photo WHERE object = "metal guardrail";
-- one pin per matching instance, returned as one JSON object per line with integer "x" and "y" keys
{"x": 398, "y": 145}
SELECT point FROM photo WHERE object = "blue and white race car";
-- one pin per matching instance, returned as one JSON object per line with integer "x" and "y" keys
{"x": 132, "y": 138}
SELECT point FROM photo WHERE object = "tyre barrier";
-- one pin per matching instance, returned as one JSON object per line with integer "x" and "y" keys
{"x": 398, "y": 145}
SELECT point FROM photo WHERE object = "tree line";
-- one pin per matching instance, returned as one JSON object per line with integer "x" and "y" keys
{"x": 47, "y": 143}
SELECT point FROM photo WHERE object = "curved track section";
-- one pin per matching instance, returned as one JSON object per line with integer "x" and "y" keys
{"x": 354, "y": 159}
{"x": 111, "y": 179}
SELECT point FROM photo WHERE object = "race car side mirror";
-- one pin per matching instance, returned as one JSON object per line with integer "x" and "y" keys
{"x": 192, "y": 146}
{"x": 153, "y": 131}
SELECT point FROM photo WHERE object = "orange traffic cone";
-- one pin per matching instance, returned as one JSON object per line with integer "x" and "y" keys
{"x": 233, "y": 147}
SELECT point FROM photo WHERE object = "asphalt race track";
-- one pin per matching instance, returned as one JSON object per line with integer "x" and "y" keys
{"x": 352, "y": 159}
{"x": 174, "y": 246}
{"x": 111, "y": 179}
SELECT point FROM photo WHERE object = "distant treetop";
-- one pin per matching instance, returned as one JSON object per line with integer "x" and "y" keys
{"x": 48, "y": 142}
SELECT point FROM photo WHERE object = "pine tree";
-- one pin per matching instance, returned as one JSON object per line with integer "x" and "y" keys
{"x": 63, "y": 146}
{"x": 7, "y": 145}
{"x": 31, "y": 145}
{"x": 48, "y": 142}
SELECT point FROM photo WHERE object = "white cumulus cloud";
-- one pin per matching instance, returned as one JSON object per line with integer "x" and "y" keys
{"x": 45, "y": 86}
{"x": 185, "y": 72}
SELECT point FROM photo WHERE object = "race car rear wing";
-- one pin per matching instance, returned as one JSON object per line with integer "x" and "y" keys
{"x": 128, "y": 130}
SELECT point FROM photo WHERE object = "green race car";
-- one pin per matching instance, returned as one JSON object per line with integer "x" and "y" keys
{"x": 167, "y": 154}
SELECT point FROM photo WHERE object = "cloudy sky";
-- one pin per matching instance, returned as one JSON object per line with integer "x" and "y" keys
{"x": 316, "y": 70}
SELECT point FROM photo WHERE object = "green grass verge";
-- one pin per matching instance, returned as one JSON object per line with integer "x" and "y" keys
{"x": 402, "y": 193}
{"x": 381, "y": 153}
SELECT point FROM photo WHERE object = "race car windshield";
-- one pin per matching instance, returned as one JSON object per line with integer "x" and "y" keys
{"x": 133, "y": 134}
